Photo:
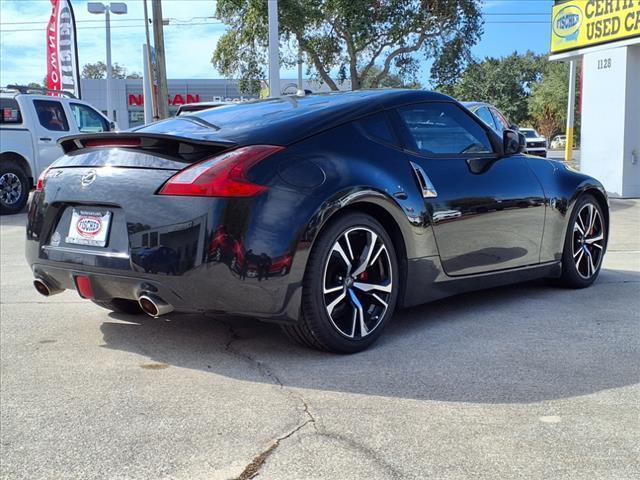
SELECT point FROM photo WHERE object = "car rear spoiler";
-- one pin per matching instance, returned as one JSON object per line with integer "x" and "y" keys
{"x": 186, "y": 149}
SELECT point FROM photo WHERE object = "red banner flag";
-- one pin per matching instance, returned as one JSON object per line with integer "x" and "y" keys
{"x": 62, "y": 51}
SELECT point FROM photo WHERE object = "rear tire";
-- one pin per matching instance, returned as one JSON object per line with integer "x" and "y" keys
{"x": 14, "y": 188}
{"x": 120, "y": 305}
{"x": 350, "y": 286}
{"x": 584, "y": 245}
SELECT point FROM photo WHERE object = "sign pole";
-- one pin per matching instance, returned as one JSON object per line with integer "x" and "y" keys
{"x": 571, "y": 107}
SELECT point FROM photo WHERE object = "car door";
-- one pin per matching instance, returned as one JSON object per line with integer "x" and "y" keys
{"x": 487, "y": 212}
{"x": 51, "y": 124}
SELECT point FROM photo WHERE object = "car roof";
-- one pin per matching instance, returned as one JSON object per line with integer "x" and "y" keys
{"x": 287, "y": 119}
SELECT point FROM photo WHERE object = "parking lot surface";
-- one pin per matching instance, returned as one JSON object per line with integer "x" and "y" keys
{"x": 527, "y": 381}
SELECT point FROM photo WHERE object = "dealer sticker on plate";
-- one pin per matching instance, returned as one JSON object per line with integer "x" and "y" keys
{"x": 89, "y": 228}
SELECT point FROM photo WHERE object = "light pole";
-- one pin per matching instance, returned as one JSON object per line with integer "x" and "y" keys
{"x": 117, "y": 8}
{"x": 274, "y": 50}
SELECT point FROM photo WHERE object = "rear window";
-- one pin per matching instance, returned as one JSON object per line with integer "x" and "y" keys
{"x": 377, "y": 128}
{"x": 51, "y": 115}
{"x": 10, "y": 111}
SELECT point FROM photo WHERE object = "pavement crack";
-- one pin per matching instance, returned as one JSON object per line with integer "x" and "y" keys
{"x": 253, "y": 468}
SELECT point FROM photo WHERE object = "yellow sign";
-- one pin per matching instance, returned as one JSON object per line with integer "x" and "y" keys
{"x": 584, "y": 23}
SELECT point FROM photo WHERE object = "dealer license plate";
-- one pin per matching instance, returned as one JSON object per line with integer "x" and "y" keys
{"x": 89, "y": 227}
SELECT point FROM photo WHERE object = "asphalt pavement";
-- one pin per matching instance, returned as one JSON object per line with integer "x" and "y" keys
{"x": 526, "y": 381}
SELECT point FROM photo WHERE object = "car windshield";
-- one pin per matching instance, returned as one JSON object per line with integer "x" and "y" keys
{"x": 529, "y": 133}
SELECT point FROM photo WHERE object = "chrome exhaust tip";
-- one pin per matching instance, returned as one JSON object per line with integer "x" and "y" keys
{"x": 154, "y": 306}
{"x": 44, "y": 289}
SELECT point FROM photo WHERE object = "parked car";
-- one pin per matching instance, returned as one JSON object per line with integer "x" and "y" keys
{"x": 30, "y": 126}
{"x": 492, "y": 117}
{"x": 559, "y": 142}
{"x": 536, "y": 143}
{"x": 352, "y": 204}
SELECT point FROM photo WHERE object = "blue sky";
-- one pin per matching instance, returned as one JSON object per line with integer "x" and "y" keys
{"x": 510, "y": 25}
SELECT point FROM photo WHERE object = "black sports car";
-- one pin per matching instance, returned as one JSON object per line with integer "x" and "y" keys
{"x": 323, "y": 213}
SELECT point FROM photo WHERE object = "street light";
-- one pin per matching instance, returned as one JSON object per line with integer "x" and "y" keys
{"x": 117, "y": 8}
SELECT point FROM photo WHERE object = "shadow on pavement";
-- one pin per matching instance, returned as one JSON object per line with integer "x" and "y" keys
{"x": 518, "y": 344}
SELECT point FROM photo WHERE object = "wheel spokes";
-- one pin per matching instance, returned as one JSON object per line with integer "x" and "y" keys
{"x": 366, "y": 254}
{"x": 357, "y": 284}
{"x": 588, "y": 240}
{"x": 335, "y": 302}
{"x": 368, "y": 287}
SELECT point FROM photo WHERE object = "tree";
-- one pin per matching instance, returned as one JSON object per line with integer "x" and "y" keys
{"x": 348, "y": 37}
{"x": 504, "y": 82}
{"x": 99, "y": 70}
{"x": 549, "y": 98}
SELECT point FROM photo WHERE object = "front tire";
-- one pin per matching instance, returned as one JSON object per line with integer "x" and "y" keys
{"x": 350, "y": 286}
{"x": 584, "y": 245}
{"x": 14, "y": 188}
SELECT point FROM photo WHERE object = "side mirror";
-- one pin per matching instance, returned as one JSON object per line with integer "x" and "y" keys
{"x": 112, "y": 126}
{"x": 514, "y": 127}
{"x": 513, "y": 142}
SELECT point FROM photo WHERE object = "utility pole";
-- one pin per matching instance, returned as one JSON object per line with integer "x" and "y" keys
{"x": 274, "y": 50}
{"x": 149, "y": 68}
{"x": 571, "y": 107}
{"x": 161, "y": 68}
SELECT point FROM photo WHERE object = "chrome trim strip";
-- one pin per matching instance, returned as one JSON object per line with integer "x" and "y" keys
{"x": 428, "y": 190}
{"x": 86, "y": 252}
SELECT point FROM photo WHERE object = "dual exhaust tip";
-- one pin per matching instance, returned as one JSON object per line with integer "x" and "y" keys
{"x": 150, "y": 304}
{"x": 153, "y": 305}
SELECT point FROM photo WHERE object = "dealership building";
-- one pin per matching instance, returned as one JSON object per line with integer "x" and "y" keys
{"x": 128, "y": 98}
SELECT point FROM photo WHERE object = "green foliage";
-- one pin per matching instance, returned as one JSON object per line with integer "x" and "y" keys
{"x": 549, "y": 98}
{"x": 99, "y": 70}
{"x": 369, "y": 42}
{"x": 504, "y": 82}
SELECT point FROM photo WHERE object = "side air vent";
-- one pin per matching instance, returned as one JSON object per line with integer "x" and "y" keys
{"x": 428, "y": 190}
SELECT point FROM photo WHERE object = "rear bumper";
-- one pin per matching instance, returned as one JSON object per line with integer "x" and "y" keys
{"x": 197, "y": 294}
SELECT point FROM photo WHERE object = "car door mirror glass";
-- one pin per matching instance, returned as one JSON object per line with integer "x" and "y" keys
{"x": 513, "y": 142}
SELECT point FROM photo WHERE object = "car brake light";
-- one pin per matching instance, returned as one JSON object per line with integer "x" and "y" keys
{"x": 41, "y": 179}
{"x": 221, "y": 176}
{"x": 112, "y": 142}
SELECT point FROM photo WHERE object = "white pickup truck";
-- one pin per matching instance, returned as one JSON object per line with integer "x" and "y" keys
{"x": 30, "y": 126}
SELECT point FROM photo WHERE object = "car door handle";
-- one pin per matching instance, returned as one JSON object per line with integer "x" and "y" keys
{"x": 45, "y": 139}
{"x": 428, "y": 190}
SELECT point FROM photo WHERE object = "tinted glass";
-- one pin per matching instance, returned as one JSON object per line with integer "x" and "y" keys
{"x": 10, "y": 111}
{"x": 377, "y": 127}
{"x": 485, "y": 115}
{"x": 529, "y": 133}
{"x": 500, "y": 120}
{"x": 444, "y": 128}
{"x": 51, "y": 115}
{"x": 88, "y": 120}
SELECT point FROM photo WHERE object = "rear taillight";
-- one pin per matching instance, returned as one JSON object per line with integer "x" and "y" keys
{"x": 222, "y": 176}
{"x": 41, "y": 179}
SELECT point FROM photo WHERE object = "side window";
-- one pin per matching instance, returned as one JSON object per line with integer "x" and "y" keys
{"x": 485, "y": 115}
{"x": 51, "y": 115}
{"x": 500, "y": 120}
{"x": 377, "y": 128}
{"x": 10, "y": 111}
{"x": 443, "y": 129}
{"x": 87, "y": 119}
